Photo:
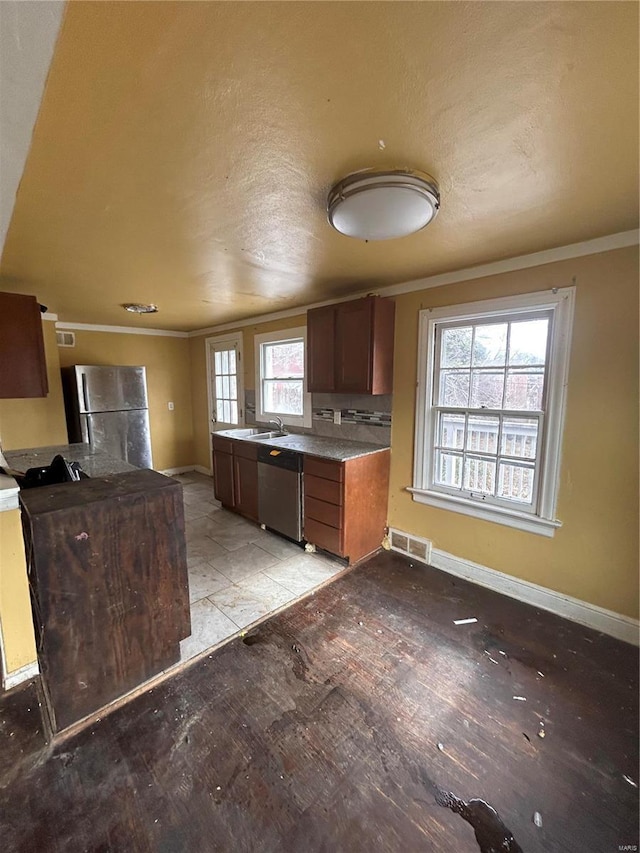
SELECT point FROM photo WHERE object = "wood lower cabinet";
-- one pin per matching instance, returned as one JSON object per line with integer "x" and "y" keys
{"x": 235, "y": 475}
{"x": 108, "y": 576}
{"x": 350, "y": 347}
{"x": 24, "y": 368}
{"x": 245, "y": 479}
{"x": 345, "y": 504}
{"x": 223, "y": 471}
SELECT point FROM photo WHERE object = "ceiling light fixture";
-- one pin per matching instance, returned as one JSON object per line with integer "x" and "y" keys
{"x": 139, "y": 308}
{"x": 375, "y": 204}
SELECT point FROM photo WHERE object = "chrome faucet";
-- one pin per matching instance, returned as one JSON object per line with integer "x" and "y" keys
{"x": 279, "y": 424}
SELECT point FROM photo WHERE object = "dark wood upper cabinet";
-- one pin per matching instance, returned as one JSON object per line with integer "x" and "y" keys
{"x": 321, "y": 335}
{"x": 350, "y": 347}
{"x": 23, "y": 368}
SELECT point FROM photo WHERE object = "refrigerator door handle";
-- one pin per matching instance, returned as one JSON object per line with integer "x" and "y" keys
{"x": 89, "y": 430}
{"x": 84, "y": 391}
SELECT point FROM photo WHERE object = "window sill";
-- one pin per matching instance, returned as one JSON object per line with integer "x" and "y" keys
{"x": 499, "y": 515}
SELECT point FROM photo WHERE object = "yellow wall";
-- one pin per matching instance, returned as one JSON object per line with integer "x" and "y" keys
{"x": 199, "y": 376}
{"x": 594, "y": 556}
{"x": 15, "y": 609}
{"x": 168, "y": 379}
{"x": 36, "y": 422}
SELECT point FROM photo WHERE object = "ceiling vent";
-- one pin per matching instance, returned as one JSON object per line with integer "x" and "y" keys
{"x": 66, "y": 339}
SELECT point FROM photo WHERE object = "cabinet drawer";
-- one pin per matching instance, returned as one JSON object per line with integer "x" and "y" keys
{"x": 222, "y": 445}
{"x": 326, "y": 468}
{"x": 322, "y": 511}
{"x": 323, "y": 490}
{"x": 329, "y": 538}
{"x": 246, "y": 450}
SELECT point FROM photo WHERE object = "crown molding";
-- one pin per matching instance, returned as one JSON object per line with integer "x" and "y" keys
{"x": 622, "y": 240}
{"x": 521, "y": 262}
{"x": 120, "y": 330}
{"x": 549, "y": 256}
{"x": 49, "y": 316}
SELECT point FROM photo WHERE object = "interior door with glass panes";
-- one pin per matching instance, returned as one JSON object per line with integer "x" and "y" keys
{"x": 226, "y": 406}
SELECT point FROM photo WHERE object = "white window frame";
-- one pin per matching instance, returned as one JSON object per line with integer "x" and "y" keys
{"x": 542, "y": 518}
{"x": 283, "y": 336}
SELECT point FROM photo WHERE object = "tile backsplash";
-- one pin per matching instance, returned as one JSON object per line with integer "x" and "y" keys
{"x": 364, "y": 418}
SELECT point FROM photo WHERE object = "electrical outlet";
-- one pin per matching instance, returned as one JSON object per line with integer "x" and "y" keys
{"x": 170, "y": 406}
{"x": 337, "y": 416}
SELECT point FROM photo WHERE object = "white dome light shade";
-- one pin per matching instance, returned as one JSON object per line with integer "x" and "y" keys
{"x": 377, "y": 205}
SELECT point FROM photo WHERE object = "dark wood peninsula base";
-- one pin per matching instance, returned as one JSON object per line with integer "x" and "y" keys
{"x": 107, "y": 568}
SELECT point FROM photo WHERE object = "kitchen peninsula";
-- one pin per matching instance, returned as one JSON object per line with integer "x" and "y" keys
{"x": 106, "y": 562}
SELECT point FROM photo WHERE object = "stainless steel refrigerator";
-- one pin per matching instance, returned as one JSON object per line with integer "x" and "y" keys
{"x": 108, "y": 408}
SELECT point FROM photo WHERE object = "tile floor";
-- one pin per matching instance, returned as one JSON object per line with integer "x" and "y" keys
{"x": 238, "y": 573}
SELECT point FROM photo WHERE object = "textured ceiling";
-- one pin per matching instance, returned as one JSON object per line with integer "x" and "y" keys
{"x": 183, "y": 151}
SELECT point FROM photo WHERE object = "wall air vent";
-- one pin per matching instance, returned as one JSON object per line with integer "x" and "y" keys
{"x": 412, "y": 546}
{"x": 66, "y": 339}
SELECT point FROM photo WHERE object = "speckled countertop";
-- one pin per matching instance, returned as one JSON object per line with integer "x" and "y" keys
{"x": 315, "y": 445}
{"x": 93, "y": 462}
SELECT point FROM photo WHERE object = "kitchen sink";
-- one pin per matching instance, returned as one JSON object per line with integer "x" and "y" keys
{"x": 263, "y": 435}
{"x": 255, "y": 433}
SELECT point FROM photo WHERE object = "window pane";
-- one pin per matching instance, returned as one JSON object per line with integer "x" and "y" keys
{"x": 233, "y": 388}
{"x": 515, "y": 483}
{"x": 225, "y": 387}
{"x": 451, "y": 430}
{"x": 489, "y": 345}
{"x": 519, "y": 437}
{"x": 282, "y": 398}
{"x": 528, "y": 344}
{"x": 482, "y": 433}
{"x": 218, "y": 360}
{"x": 224, "y": 364}
{"x": 456, "y": 347}
{"x": 448, "y": 469}
{"x": 234, "y": 413}
{"x": 232, "y": 361}
{"x": 524, "y": 389}
{"x": 480, "y": 475}
{"x": 486, "y": 389}
{"x": 283, "y": 359}
{"x": 454, "y": 388}
{"x": 219, "y": 394}
{"x": 226, "y": 412}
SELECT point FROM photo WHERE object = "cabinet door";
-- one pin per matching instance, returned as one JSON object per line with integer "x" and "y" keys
{"x": 223, "y": 477}
{"x": 354, "y": 346}
{"x": 321, "y": 349}
{"x": 246, "y": 486}
{"x": 24, "y": 369}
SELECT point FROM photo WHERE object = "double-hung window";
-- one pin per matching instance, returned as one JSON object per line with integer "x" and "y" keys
{"x": 280, "y": 377}
{"x": 490, "y": 407}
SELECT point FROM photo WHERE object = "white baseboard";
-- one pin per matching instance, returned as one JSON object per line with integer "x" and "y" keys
{"x": 606, "y": 621}
{"x": 25, "y": 673}
{"x": 202, "y": 470}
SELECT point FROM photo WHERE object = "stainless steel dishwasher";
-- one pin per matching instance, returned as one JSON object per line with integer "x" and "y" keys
{"x": 280, "y": 491}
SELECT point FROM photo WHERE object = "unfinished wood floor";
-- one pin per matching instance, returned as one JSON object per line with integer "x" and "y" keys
{"x": 342, "y": 724}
